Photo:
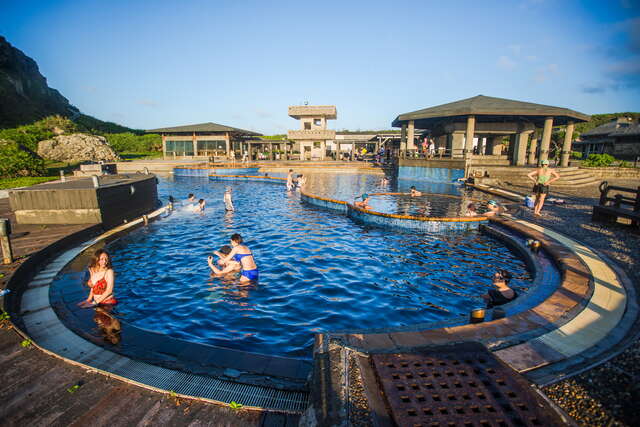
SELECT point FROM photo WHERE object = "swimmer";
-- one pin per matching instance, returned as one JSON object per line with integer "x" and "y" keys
{"x": 228, "y": 203}
{"x": 101, "y": 281}
{"x": 301, "y": 181}
{"x": 224, "y": 268}
{"x": 414, "y": 192}
{"x": 200, "y": 206}
{"x": 471, "y": 210}
{"x": 364, "y": 204}
{"x": 384, "y": 181}
{"x": 503, "y": 293}
{"x": 290, "y": 185}
{"x": 493, "y": 208}
{"x": 171, "y": 203}
{"x": 242, "y": 254}
{"x": 191, "y": 198}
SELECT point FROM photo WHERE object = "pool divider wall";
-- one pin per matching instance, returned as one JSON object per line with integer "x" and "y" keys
{"x": 206, "y": 170}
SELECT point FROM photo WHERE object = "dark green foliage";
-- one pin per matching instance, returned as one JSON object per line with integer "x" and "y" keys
{"x": 17, "y": 160}
{"x": 576, "y": 155}
{"x": 30, "y": 135}
{"x": 92, "y": 125}
{"x": 276, "y": 137}
{"x": 598, "y": 160}
{"x": 129, "y": 142}
{"x": 600, "y": 119}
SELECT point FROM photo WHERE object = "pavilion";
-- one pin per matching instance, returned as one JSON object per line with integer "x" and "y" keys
{"x": 202, "y": 140}
{"x": 455, "y": 125}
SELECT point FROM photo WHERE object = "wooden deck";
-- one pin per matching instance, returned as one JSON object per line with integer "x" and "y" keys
{"x": 38, "y": 389}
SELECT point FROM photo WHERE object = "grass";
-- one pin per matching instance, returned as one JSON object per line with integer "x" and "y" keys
{"x": 25, "y": 181}
{"x": 129, "y": 156}
{"x": 54, "y": 168}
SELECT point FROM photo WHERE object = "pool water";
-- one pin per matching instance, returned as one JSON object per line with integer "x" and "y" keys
{"x": 319, "y": 270}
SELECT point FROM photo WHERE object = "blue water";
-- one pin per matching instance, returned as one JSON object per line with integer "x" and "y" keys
{"x": 319, "y": 270}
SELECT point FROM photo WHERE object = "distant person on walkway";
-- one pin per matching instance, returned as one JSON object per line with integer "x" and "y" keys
{"x": 432, "y": 149}
{"x": 413, "y": 192}
{"x": 542, "y": 178}
{"x": 503, "y": 293}
{"x": 290, "y": 185}
{"x": 228, "y": 203}
{"x": 100, "y": 281}
{"x": 232, "y": 156}
{"x": 242, "y": 254}
{"x": 224, "y": 267}
{"x": 364, "y": 203}
{"x": 245, "y": 157}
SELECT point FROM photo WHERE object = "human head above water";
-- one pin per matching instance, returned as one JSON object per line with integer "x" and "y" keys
{"x": 492, "y": 203}
{"x": 365, "y": 196}
{"x": 413, "y": 187}
{"x": 503, "y": 275}
{"x": 191, "y": 196}
{"x": 95, "y": 259}
{"x": 225, "y": 250}
{"x": 236, "y": 238}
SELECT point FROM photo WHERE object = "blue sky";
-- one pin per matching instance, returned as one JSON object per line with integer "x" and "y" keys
{"x": 156, "y": 63}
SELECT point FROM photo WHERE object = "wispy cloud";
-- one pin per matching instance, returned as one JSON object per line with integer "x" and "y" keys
{"x": 506, "y": 63}
{"x": 147, "y": 103}
{"x": 543, "y": 74}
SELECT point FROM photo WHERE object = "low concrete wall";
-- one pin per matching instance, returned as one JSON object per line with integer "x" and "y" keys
{"x": 118, "y": 199}
{"x": 604, "y": 173}
{"x": 434, "y": 163}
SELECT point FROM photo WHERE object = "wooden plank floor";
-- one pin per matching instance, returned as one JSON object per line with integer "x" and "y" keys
{"x": 33, "y": 385}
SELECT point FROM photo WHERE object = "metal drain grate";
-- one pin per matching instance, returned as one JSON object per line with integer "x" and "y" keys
{"x": 459, "y": 385}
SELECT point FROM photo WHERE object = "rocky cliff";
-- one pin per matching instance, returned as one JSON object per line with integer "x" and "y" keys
{"x": 24, "y": 93}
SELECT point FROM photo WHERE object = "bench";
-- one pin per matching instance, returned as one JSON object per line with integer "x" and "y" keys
{"x": 611, "y": 208}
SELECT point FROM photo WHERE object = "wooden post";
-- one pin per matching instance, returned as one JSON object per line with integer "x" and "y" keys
{"x": 145, "y": 218}
{"x": 5, "y": 242}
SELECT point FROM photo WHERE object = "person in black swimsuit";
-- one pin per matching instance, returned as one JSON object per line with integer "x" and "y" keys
{"x": 503, "y": 293}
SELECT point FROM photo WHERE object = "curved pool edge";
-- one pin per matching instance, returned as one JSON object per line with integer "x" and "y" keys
{"x": 39, "y": 323}
{"x": 580, "y": 324}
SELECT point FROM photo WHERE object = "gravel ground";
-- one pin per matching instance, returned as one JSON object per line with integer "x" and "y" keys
{"x": 607, "y": 395}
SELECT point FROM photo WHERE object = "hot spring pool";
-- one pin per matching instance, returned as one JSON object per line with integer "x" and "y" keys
{"x": 319, "y": 271}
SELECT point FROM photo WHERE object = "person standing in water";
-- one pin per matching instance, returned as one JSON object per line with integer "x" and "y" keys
{"x": 101, "y": 281}
{"x": 242, "y": 254}
{"x": 290, "y": 185}
{"x": 228, "y": 203}
{"x": 542, "y": 178}
{"x": 301, "y": 181}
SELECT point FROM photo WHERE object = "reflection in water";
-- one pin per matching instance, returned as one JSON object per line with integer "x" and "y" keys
{"x": 229, "y": 290}
{"x": 108, "y": 325}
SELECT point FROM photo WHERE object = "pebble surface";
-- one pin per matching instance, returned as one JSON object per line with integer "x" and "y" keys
{"x": 608, "y": 395}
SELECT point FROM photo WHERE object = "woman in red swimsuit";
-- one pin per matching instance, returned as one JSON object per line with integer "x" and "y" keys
{"x": 101, "y": 279}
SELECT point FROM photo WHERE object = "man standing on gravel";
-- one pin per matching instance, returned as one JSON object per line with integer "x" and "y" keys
{"x": 542, "y": 177}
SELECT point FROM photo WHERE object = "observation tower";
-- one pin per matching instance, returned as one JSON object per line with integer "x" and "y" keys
{"x": 313, "y": 134}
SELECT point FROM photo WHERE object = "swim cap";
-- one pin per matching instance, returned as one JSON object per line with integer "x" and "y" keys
{"x": 492, "y": 202}
{"x": 545, "y": 162}
{"x": 365, "y": 196}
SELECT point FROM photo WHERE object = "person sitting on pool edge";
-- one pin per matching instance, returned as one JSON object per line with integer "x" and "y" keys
{"x": 228, "y": 267}
{"x": 364, "y": 204}
{"x": 101, "y": 280}
{"x": 242, "y": 254}
{"x": 414, "y": 192}
{"x": 503, "y": 294}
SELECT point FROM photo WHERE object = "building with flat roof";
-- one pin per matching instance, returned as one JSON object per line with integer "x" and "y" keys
{"x": 203, "y": 140}
{"x": 313, "y": 134}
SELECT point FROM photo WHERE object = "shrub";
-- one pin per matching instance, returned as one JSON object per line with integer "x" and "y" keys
{"x": 598, "y": 160}
{"x": 30, "y": 135}
{"x": 576, "y": 155}
{"x": 130, "y": 142}
{"x": 17, "y": 160}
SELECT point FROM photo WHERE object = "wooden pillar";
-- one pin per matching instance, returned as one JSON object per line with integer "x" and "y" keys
{"x": 566, "y": 145}
{"x": 164, "y": 146}
{"x": 228, "y": 140}
{"x": 195, "y": 144}
{"x": 546, "y": 139}
{"x": 468, "y": 144}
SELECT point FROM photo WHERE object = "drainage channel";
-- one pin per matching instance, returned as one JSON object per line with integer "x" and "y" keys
{"x": 461, "y": 385}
